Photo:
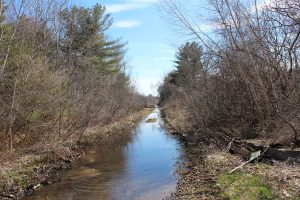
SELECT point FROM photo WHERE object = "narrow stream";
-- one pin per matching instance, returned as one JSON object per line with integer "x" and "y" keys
{"x": 137, "y": 166}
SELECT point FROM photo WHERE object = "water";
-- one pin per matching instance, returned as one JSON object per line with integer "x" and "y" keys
{"x": 139, "y": 165}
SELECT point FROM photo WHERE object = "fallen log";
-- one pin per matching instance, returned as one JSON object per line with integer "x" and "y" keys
{"x": 245, "y": 148}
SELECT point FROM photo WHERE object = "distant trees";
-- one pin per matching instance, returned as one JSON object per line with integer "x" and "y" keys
{"x": 59, "y": 72}
{"x": 251, "y": 69}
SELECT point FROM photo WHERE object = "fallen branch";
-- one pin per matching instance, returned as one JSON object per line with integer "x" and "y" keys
{"x": 254, "y": 156}
{"x": 240, "y": 166}
{"x": 244, "y": 148}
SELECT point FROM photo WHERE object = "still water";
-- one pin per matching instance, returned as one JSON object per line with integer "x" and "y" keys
{"x": 138, "y": 166}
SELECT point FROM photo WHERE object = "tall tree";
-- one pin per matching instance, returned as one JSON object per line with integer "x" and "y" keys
{"x": 188, "y": 63}
{"x": 86, "y": 42}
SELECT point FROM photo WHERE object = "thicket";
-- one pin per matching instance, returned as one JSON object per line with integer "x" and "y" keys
{"x": 242, "y": 79}
{"x": 59, "y": 73}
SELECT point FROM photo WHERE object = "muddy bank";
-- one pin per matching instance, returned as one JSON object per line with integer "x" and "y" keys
{"x": 23, "y": 172}
{"x": 205, "y": 173}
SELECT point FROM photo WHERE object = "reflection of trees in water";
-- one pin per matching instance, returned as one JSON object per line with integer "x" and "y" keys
{"x": 111, "y": 161}
{"x": 113, "y": 152}
{"x": 100, "y": 171}
{"x": 112, "y": 170}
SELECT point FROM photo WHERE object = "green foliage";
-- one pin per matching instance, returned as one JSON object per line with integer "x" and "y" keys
{"x": 36, "y": 115}
{"x": 189, "y": 72}
{"x": 2, "y": 9}
{"x": 5, "y": 29}
{"x": 188, "y": 63}
{"x": 17, "y": 178}
{"x": 86, "y": 41}
{"x": 238, "y": 186}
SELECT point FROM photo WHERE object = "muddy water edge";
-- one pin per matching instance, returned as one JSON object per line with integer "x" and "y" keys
{"x": 139, "y": 164}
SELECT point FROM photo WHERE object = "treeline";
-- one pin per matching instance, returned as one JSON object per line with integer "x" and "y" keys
{"x": 243, "y": 78}
{"x": 59, "y": 72}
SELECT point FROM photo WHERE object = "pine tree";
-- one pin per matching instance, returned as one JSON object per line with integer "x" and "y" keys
{"x": 188, "y": 64}
{"x": 87, "y": 43}
{"x": 2, "y": 18}
{"x": 3, "y": 28}
{"x": 1, "y": 11}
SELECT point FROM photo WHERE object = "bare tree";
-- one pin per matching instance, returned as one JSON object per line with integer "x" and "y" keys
{"x": 252, "y": 64}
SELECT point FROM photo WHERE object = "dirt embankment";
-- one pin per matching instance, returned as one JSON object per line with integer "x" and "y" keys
{"x": 24, "y": 171}
{"x": 205, "y": 172}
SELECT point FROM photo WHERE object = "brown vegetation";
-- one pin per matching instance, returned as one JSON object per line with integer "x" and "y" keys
{"x": 242, "y": 79}
{"x": 237, "y": 89}
{"x": 26, "y": 170}
{"x": 204, "y": 174}
{"x": 60, "y": 74}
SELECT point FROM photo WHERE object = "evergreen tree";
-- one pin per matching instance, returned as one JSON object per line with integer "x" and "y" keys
{"x": 86, "y": 43}
{"x": 188, "y": 64}
{"x": 1, "y": 11}
{"x": 2, "y": 18}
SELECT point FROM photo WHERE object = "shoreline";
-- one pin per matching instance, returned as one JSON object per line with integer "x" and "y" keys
{"x": 205, "y": 172}
{"x": 33, "y": 171}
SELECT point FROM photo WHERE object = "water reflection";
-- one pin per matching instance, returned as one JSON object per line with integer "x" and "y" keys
{"x": 139, "y": 165}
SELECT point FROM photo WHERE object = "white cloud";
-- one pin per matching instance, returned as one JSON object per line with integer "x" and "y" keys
{"x": 129, "y": 5}
{"x": 127, "y": 24}
{"x": 115, "y": 8}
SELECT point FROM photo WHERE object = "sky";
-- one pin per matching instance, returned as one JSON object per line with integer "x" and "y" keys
{"x": 151, "y": 39}
{"x": 151, "y": 42}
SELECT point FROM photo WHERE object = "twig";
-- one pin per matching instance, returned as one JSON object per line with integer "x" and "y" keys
{"x": 229, "y": 145}
{"x": 250, "y": 160}
{"x": 240, "y": 166}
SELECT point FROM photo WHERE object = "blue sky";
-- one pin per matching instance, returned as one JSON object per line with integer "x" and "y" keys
{"x": 151, "y": 40}
{"x": 150, "y": 54}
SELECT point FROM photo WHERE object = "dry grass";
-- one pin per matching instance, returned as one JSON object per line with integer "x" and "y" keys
{"x": 206, "y": 167}
{"x": 208, "y": 177}
{"x": 176, "y": 118}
